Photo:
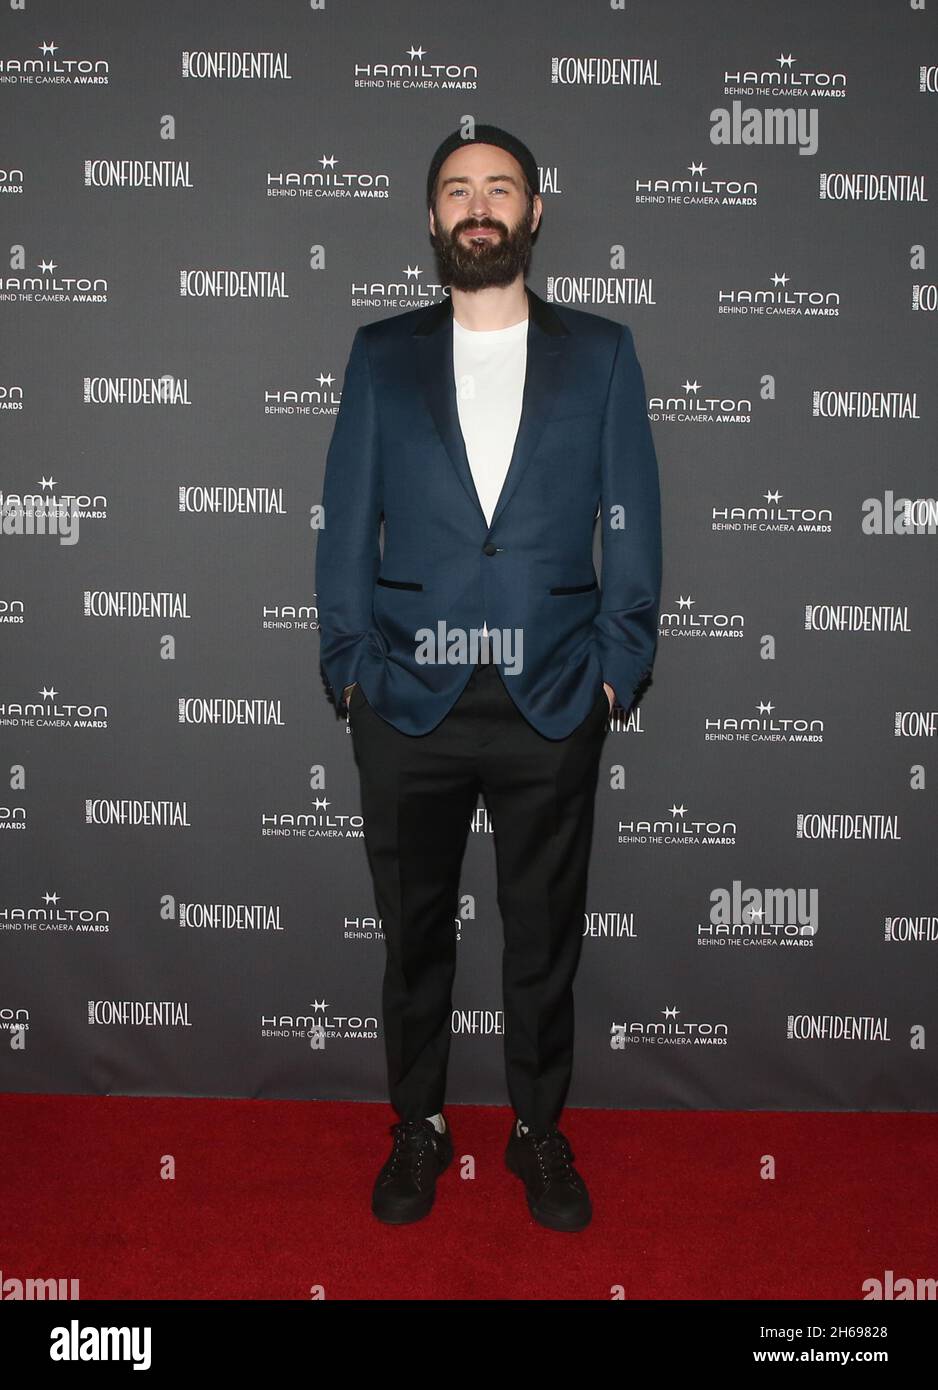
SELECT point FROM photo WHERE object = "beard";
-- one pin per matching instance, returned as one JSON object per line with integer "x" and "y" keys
{"x": 467, "y": 265}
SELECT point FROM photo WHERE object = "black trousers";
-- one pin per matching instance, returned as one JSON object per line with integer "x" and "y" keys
{"x": 418, "y": 795}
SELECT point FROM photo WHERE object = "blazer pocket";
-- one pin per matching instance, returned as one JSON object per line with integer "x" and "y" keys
{"x": 397, "y": 584}
{"x": 575, "y": 588}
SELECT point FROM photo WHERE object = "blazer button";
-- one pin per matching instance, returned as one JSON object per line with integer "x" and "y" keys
{"x": 489, "y": 549}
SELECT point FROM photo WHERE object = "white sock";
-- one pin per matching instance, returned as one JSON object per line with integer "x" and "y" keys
{"x": 438, "y": 1123}
{"x": 521, "y": 1129}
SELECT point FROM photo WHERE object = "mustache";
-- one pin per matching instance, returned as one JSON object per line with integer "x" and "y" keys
{"x": 473, "y": 225}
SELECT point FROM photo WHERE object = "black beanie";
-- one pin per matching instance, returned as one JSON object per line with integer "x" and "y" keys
{"x": 485, "y": 135}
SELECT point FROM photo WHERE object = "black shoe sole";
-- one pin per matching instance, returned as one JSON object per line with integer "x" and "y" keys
{"x": 548, "y": 1219}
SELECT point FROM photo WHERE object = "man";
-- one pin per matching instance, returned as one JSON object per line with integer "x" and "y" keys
{"x": 477, "y": 653}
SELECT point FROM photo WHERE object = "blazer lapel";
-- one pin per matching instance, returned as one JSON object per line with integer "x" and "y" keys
{"x": 433, "y": 338}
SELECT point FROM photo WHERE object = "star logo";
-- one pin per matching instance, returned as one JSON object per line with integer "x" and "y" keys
{"x": 416, "y": 52}
{"x": 670, "y": 1011}
{"x": 684, "y": 601}
{"x": 47, "y": 48}
{"x": 412, "y": 272}
{"x": 325, "y": 380}
{"x": 678, "y": 810}
{"x": 784, "y": 60}
{"x": 765, "y": 708}
{"x": 47, "y": 693}
{"x": 50, "y": 897}
{"x": 780, "y": 279}
{"x": 696, "y": 168}
{"x": 772, "y": 496}
{"x": 46, "y": 483}
{"x": 691, "y": 385}
{"x": 48, "y": 266}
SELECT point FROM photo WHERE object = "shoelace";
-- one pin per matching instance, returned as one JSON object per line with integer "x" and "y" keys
{"x": 555, "y": 1158}
{"x": 404, "y": 1132}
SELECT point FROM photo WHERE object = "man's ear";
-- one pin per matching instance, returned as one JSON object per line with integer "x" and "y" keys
{"x": 538, "y": 212}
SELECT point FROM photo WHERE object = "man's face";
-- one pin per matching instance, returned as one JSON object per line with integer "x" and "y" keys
{"x": 481, "y": 225}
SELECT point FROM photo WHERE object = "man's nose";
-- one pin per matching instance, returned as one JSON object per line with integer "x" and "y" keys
{"x": 479, "y": 206}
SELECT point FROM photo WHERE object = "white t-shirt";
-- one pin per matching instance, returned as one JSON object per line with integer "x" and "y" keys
{"x": 489, "y": 368}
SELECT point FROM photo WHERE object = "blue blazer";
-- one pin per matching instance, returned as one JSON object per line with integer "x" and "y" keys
{"x": 394, "y": 621}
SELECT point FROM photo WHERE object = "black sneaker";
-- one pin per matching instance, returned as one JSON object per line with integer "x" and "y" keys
{"x": 405, "y": 1187}
{"x": 557, "y": 1195}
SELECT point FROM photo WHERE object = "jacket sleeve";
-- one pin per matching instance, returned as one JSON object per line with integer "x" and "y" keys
{"x": 348, "y": 556}
{"x": 626, "y": 627}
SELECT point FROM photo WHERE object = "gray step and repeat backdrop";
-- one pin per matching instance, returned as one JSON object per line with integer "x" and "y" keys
{"x": 200, "y": 204}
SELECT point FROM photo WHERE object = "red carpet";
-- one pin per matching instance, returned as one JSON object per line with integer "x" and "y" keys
{"x": 271, "y": 1198}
